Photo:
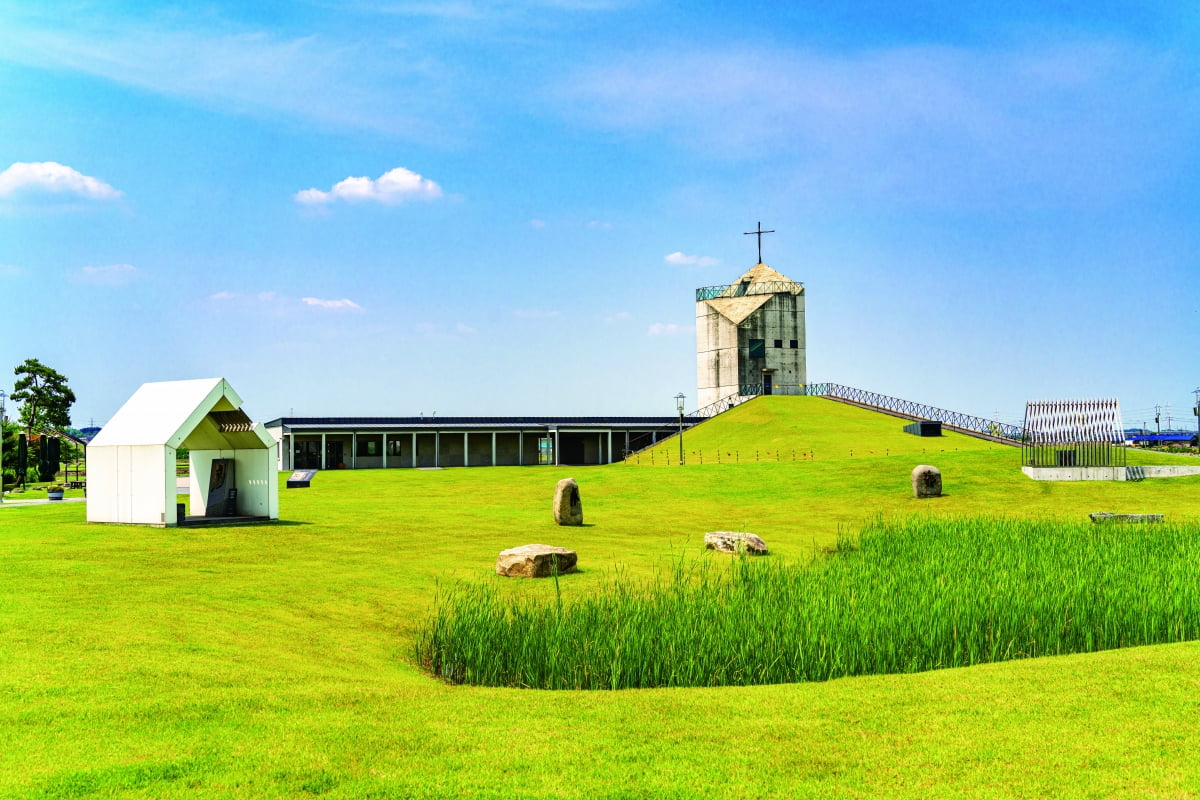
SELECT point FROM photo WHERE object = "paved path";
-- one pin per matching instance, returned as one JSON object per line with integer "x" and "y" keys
{"x": 10, "y": 502}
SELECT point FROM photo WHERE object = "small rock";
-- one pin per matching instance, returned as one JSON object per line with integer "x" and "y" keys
{"x": 926, "y": 481}
{"x": 568, "y": 508}
{"x": 735, "y": 542}
{"x": 535, "y": 561}
{"x": 1101, "y": 517}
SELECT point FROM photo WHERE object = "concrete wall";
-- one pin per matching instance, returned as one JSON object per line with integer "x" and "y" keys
{"x": 780, "y": 320}
{"x": 1107, "y": 473}
{"x": 723, "y": 362}
{"x": 716, "y": 355}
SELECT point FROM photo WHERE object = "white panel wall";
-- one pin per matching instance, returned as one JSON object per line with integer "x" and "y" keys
{"x": 200, "y": 470}
{"x": 102, "y": 495}
{"x": 257, "y": 482}
{"x": 131, "y": 484}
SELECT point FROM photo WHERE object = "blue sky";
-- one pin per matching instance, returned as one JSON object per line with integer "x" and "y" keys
{"x": 380, "y": 207}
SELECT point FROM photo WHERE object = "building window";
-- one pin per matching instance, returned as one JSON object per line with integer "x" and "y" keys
{"x": 795, "y": 344}
{"x": 369, "y": 446}
{"x": 779, "y": 342}
{"x": 758, "y": 348}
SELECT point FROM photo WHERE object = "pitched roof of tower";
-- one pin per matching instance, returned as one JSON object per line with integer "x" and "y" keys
{"x": 753, "y": 289}
{"x": 762, "y": 273}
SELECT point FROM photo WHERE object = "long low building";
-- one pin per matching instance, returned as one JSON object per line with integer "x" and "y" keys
{"x": 399, "y": 442}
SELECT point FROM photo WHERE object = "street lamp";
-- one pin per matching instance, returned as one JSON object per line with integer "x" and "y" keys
{"x": 679, "y": 398}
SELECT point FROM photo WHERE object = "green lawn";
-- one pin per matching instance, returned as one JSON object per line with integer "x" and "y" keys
{"x": 275, "y": 661}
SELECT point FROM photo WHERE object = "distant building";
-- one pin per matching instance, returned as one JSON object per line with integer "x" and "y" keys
{"x": 750, "y": 337}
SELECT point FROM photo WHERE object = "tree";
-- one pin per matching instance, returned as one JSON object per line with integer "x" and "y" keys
{"x": 44, "y": 396}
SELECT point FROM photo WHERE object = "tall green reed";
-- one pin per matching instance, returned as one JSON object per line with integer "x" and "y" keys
{"x": 901, "y": 597}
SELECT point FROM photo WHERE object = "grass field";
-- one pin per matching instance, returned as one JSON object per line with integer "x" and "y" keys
{"x": 276, "y": 661}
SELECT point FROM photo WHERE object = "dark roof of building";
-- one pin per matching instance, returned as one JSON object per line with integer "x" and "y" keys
{"x": 448, "y": 422}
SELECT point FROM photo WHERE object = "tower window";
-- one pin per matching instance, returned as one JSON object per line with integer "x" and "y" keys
{"x": 758, "y": 348}
{"x": 779, "y": 342}
{"x": 795, "y": 344}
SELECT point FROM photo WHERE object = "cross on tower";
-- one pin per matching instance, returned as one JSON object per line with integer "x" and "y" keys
{"x": 759, "y": 233}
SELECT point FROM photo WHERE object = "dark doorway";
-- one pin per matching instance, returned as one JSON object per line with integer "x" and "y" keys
{"x": 766, "y": 383}
{"x": 307, "y": 455}
{"x": 571, "y": 450}
{"x": 333, "y": 455}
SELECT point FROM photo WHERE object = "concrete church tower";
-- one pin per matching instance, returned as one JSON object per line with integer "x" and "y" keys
{"x": 750, "y": 337}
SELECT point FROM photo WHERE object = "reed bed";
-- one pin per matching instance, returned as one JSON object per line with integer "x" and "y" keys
{"x": 901, "y": 597}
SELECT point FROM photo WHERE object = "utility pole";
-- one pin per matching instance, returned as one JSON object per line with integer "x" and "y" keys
{"x": 1196, "y": 411}
{"x": 1157, "y": 427}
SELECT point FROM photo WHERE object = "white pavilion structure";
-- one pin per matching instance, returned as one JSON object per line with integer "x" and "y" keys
{"x": 232, "y": 460}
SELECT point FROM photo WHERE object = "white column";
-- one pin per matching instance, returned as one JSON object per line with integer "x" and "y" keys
{"x": 353, "y": 449}
{"x": 466, "y": 449}
{"x": 610, "y": 458}
{"x": 437, "y": 448}
{"x": 323, "y": 451}
{"x": 493, "y": 448}
{"x": 520, "y": 448}
{"x": 413, "y": 457}
{"x": 385, "y": 451}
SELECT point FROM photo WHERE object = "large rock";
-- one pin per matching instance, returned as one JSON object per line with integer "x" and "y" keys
{"x": 926, "y": 481}
{"x": 735, "y": 542}
{"x": 568, "y": 508}
{"x": 535, "y": 561}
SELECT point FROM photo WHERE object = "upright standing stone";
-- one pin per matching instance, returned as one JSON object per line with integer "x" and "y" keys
{"x": 568, "y": 508}
{"x": 926, "y": 481}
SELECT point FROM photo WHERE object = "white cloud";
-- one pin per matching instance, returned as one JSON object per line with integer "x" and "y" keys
{"x": 331, "y": 305}
{"x": 668, "y": 329}
{"x": 464, "y": 328}
{"x": 393, "y": 186}
{"x": 108, "y": 275}
{"x": 599, "y": 225}
{"x": 680, "y": 258}
{"x": 537, "y": 224}
{"x": 527, "y": 314}
{"x": 282, "y": 303}
{"x": 50, "y": 176}
{"x": 912, "y": 124}
{"x": 10, "y": 271}
{"x": 392, "y": 84}
{"x": 620, "y": 316}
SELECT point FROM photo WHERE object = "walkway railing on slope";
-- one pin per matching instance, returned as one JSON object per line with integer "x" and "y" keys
{"x": 907, "y": 408}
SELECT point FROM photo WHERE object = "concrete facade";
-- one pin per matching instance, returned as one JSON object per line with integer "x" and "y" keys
{"x": 750, "y": 337}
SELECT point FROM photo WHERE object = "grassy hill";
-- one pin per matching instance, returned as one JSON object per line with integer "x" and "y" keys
{"x": 276, "y": 661}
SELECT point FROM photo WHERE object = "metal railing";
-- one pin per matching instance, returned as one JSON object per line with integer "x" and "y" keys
{"x": 743, "y": 289}
{"x": 907, "y": 408}
{"x": 721, "y": 406}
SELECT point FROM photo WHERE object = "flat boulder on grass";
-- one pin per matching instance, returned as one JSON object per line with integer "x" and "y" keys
{"x": 535, "y": 561}
{"x": 926, "y": 481}
{"x": 568, "y": 508}
{"x": 735, "y": 542}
